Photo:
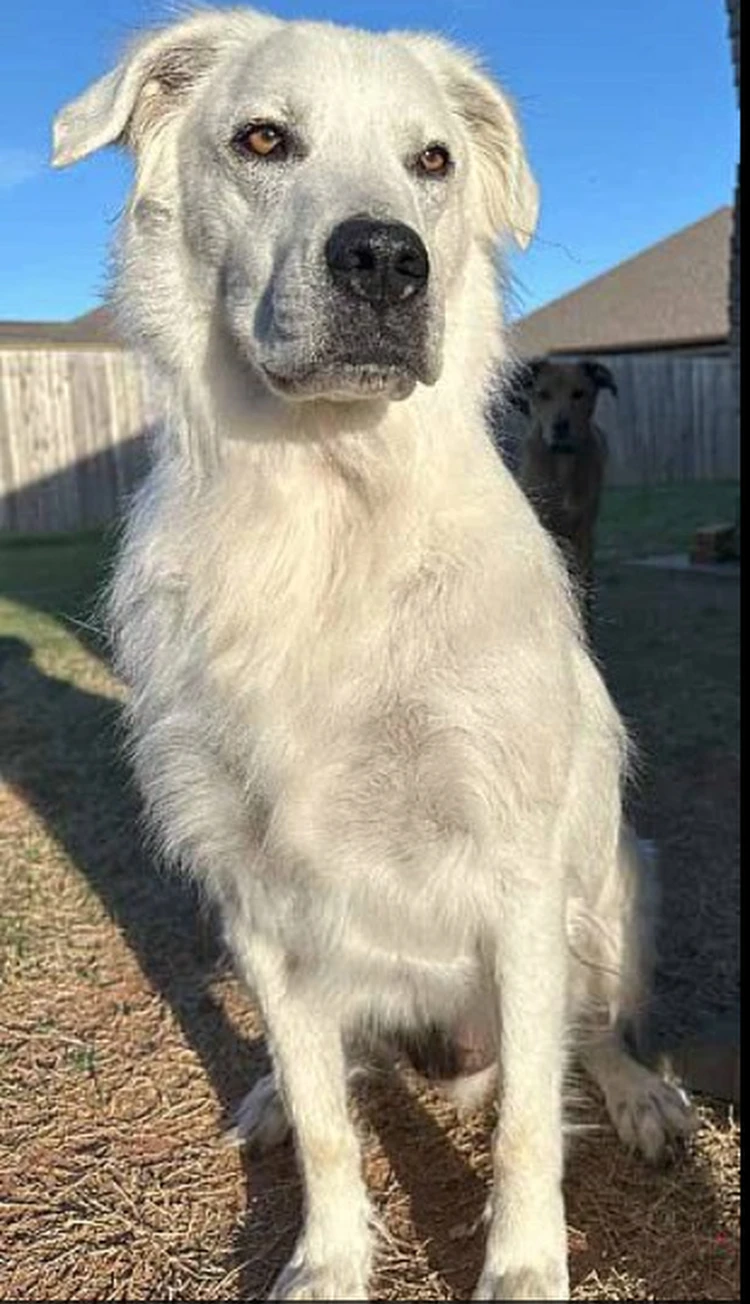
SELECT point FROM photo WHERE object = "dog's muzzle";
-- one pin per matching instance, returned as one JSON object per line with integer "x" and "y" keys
{"x": 562, "y": 440}
{"x": 381, "y": 332}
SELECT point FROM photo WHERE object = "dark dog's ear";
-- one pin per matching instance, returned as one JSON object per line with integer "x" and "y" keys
{"x": 521, "y": 381}
{"x": 600, "y": 376}
{"x": 531, "y": 368}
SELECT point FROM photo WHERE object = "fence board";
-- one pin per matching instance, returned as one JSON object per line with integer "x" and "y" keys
{"x": 73, "y": 429}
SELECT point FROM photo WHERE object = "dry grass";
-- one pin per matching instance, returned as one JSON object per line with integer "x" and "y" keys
{"x": 125, "y": 1042}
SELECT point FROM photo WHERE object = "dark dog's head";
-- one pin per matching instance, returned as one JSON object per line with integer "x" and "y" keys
{"x": 560, "y": 398}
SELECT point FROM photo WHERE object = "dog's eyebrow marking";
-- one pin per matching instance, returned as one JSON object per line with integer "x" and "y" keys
{"x": 269, "y": 106}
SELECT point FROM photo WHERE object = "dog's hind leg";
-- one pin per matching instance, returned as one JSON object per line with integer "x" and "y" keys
{"x": 260, "y": 1122}
{"x": 648, "y": 1112}
{"x": 333, "y": 1255}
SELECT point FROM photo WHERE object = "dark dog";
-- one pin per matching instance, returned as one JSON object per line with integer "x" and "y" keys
{"x": 563, "y": 456}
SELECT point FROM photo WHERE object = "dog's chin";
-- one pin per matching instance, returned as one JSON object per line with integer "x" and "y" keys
{"x": 343, "y": 382}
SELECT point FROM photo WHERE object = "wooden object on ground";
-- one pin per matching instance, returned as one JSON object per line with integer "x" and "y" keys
{"x": 714, "y": 543}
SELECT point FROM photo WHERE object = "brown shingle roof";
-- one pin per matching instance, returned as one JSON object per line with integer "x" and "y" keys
{"x": 96, "y": 326}
{"x": 675, "y": 292}
{"x": 94, "y": 329}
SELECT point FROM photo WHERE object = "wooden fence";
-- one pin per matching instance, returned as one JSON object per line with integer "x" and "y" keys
{"x": 74, "y": 426}
{"x": 674, "y": 418}
{"x": 73, "y": 431}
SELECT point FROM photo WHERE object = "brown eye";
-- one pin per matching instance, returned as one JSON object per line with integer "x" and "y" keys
{"x": 435, "y": 160}
{"x": 261, "y": 139}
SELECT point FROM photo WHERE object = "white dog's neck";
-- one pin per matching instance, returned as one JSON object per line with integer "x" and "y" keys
{"x": 369, "y": 451}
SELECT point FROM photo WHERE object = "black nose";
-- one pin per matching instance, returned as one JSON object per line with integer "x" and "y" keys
{"x": 385, "y": 263}
{"x": 561, "y": 431}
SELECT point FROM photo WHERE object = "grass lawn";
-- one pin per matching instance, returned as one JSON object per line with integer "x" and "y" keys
{"x": 654, "y": 519}
{"x": 125, "y": 1043}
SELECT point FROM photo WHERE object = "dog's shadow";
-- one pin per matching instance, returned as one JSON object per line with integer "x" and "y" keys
{"x": 60, "y": 751}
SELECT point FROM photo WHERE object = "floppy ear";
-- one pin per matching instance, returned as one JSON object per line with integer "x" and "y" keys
{"x": 509, "y": 196}
{"x": 154, "y": 77}
{"x": 600, "y": 376}
{"x": 509, "y": 192}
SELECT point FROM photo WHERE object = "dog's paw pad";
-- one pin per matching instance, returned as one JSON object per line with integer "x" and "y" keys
{"x": 260, "y": 1123}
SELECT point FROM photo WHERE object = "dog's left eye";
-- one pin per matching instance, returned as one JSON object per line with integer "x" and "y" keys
{"x": 577, "y": 393}
{"x": 435, "y": 160}
{"x": 262, "y": 139}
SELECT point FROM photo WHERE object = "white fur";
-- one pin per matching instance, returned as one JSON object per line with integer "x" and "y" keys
{"x": 362, "y": 714}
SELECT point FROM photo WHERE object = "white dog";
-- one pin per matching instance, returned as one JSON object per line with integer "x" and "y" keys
{"x": 362, "y": 713}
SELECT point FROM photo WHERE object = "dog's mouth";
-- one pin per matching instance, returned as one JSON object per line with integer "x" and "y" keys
{"x": 353, "y": 353}
{"x": 344, "y": 381}
{"x": 563, "y": 446}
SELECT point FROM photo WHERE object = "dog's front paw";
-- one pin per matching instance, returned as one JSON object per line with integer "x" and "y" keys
{"x": 543, "y": 1281}
{"x": 340, "y": 1279}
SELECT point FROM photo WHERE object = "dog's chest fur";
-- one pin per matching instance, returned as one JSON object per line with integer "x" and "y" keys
{"x": 337, "y": 659}
{"x": 564, "y": 487}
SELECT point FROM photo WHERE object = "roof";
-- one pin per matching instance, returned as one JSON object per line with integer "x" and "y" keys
{"x": 93, "y": 330}
{"x": 95, "y": 327}
{"x": 674, "y": 293}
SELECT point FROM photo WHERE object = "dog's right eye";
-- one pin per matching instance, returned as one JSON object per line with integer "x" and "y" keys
{"x": 260, "y": 139}
{"x": 435, "y": 161}
{"x": 544, "y": 395}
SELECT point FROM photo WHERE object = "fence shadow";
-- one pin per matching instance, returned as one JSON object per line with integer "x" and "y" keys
{"x": 83, "y": 495}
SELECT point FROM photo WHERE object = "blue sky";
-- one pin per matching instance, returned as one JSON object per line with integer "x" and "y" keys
{"x": 628, "y": 108}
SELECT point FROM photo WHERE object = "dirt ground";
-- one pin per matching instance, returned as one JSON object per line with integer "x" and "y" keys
{"x": 125, "y": 1043}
